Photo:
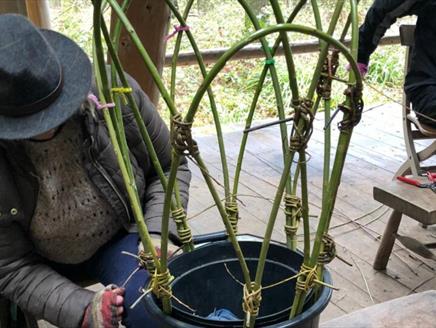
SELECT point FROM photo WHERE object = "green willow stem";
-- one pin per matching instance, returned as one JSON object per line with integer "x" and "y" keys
{"x": 274, "y": 78}
{"x": 287, "y": 50}
{"x": 116, "y": 32}
{"x": 327, "y": 150}
{"x": 213, "y": 106}
{"x": 152, "y": 69}
{"x": 145, "y": 56}
{"x": 316, "y": 14}
{"x": 142, "y": 128}
{"x": 290, "y": 219}
{"x": 341, "y": 151}
{"x": 324, "y": 49}
{"x": 305, "y": 203}
{"x": 252, "y": 38}
{"x": 177, "y": 44}
{"x": 292, "y": 242}
{"x": 222, "y": 211}
{"x": 253, "y": 105}
{"x": 102, "y": 84}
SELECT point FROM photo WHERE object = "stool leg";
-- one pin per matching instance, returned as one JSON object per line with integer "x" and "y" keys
{"x": 387, "y": 242}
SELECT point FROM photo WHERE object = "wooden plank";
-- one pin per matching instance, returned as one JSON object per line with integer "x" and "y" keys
{"x": 38, "y": 12}
{"x": 415, "y": 202}
{"x": 13, "y": 6}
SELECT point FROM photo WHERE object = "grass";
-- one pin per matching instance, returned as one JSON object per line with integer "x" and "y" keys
{"x": 220, "y": 23}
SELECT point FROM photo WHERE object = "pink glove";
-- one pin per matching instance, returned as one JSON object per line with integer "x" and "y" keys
{"x": 106, "y": 308}
{"x": 363, "y": 69}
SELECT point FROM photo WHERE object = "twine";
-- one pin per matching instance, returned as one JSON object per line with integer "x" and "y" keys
{"x": 160, "y": 284}
{"x": 308, "y": 277}
{"x": 177, "y": 29}
{"x": 251, "y": 300}
{"x": 353, "y": 113}
{"x": 94, "y": 100}
{"x": 328, "y": 73}
{"x": 146, "y": 261}
{"x": 233, "y": 214}
{"x": 122, "y": 92}
{"x": 179, "y": 217}
{"x": 303, "y": 125}
{"x": 181, "y": 137}
{"x": 293, "y": 209}
{"x": 270, "y": 61}
{"x": 328, "y": 252}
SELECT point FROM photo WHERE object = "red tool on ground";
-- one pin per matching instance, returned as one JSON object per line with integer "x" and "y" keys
{"x": 431, "y": 185}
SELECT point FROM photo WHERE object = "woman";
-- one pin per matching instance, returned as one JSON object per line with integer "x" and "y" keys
{"x": 63, "y": 205}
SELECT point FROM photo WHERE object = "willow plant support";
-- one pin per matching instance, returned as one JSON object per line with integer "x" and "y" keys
{"x": 184, "y": 145}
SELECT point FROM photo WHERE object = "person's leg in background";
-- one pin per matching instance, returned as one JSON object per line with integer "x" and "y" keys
{"x": 424, "y": 105}
{"x": 110, "y": 266}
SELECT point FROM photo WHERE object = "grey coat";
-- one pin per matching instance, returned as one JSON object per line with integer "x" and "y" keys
{"x": 34, "y": 286}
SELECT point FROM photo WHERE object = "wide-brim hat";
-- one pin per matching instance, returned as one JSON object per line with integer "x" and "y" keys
{"x": 29, "y": 107}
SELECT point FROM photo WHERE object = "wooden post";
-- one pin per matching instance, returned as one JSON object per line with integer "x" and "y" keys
{"x": 150, "y": 19}
{"x": 38, "y": 12}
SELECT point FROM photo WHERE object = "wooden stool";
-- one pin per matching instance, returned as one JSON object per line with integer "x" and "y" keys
{"x": 419, "y": 204}
{"x": 417, "y": 310}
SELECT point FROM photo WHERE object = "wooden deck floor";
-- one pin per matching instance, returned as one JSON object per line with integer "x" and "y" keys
{"x": 376, "y": 151}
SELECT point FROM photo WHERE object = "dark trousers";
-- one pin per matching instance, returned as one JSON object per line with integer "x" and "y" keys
{"x": 424, "y": 102}
{"x": 110, "y": 266}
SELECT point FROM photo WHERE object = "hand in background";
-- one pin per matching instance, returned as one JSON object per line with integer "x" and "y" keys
{"x": 106, "y": 308}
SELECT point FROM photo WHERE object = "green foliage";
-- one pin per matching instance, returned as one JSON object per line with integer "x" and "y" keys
{"x": 220, "y": 23}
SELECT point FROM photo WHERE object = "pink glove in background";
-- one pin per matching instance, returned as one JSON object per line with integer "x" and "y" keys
{"x": 363, "y": 69}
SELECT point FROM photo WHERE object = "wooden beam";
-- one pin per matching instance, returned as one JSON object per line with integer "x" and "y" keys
{"x": 210, "y": 56}
{"x": 38, "y": 12}
{"x": 13, "y": 6}
{"x": 150, "y": 19}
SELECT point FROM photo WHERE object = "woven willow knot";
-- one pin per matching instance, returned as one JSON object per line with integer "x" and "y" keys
{"x": 329, "y": 68}
{"x": 328, "y": 252}
{"x": 181, "y": 136}
{"x": 293, "y": 205}
{"x": 293, "y": 208}
{"x": 233, "y": 214}
{"x": 308, "y": 277}
{"x": 146, "y": 261}
{"x": 161, "y": 284}
{"x": 252, "y": 300}
{"x": 179, "y": 217}
{"x": 303, "y": 125}
{"x": 353, "y": 112}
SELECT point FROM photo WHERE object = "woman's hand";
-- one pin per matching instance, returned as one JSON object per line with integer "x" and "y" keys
{"x": 106, "y": 308}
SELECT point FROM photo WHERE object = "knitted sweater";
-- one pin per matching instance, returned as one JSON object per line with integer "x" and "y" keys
{"x": 72, "y": 219}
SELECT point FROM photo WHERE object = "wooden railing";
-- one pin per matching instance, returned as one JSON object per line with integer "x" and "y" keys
{"x": 211, "y": 55}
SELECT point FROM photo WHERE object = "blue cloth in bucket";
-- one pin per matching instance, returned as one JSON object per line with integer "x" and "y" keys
{"x": 222, "y": 315}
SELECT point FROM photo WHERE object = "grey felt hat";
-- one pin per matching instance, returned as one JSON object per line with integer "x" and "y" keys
{"x": 44, "y": 78}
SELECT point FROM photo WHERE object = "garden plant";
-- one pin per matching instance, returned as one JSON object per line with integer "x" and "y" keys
{"x": 295, "y": 124}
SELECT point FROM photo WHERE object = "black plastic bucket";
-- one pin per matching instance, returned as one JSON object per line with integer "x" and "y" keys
{"x": 208, "y": 279}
